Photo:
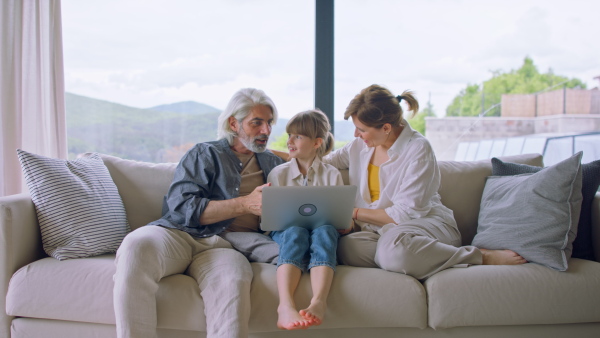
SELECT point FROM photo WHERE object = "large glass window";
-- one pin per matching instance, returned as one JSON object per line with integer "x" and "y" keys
{"x": 498, "y": 147}
{"x": 146, "y": 79}
{"x": 484, "y": 149}
{"x": 438, "y": 48}
{"x": 590, "y": 145}
{"x": 514, "y": 146}
{"x": 558, "y": 149}
{"x": 534, "y": 145}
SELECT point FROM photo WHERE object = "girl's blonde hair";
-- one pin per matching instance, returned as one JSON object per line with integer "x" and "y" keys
{"x": 375, "y": 106}
{"x": 314, "y": 124}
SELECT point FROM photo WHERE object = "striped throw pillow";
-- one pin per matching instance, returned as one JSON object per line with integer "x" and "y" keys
{"x": 78, "y": 205}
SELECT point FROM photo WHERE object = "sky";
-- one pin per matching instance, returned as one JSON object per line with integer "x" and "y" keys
{"x": 145, "y": 53}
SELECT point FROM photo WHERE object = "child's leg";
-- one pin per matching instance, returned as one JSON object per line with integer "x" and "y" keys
{"x": 293, "y": 245}
{"x": 323, "y": 260}
{"x": 320, "y": 279}
{"x": 288, "y": 276}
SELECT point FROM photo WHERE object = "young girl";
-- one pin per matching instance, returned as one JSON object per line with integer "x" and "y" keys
{"x": 309, "y": 140}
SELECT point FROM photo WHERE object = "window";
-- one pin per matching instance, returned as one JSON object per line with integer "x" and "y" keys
{"x": 437, "y": 48}
{"x": 590, "y": 145}
{"x": 145, "y": 80}
{"x": 123, "y": 57}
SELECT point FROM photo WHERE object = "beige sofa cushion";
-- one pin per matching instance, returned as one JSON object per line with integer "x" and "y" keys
{"x": 462, "y": 187}
{"x": 487, "y": 295}
{"x": 142, "y": 186}
{"x": 82, "y": 290}
{"x": 359, "y": 297}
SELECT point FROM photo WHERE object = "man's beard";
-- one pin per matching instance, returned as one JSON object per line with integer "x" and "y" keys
{"x": 250, "y": 142}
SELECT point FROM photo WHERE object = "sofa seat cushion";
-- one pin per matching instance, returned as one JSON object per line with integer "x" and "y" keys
{"x": 359, "y": 298}
{"x": 525, "y": 294}
{"x": 82, "y": 290}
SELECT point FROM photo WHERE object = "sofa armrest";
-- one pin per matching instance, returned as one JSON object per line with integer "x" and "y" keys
{"x": 20, "y": 244}
{"x": 596, "y": 226}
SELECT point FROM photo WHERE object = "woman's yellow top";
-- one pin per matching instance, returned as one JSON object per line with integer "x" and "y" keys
{"x": 373, "y": 172}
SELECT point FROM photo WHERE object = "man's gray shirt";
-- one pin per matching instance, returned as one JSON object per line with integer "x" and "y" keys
{"x": 208, "y": 171}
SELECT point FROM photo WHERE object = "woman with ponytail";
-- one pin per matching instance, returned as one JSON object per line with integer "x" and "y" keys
{"x": 401, "y": 224}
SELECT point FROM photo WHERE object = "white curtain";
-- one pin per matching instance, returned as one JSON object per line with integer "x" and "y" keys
{"x": 32, "y": 86}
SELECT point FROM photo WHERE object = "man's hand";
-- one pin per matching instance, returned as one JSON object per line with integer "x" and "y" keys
{"x": 253, "y": 201}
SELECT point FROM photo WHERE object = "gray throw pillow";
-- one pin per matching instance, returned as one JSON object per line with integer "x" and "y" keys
{"x": 534, "y": 215}
{"x": 582, "y": 245}
{"x": 78, "y": 205}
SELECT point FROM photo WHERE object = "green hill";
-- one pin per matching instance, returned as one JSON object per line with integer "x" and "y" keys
{"x": 159, "y": 134}
{"x": 187, "y": 107}
{"x": 132, "y": 133}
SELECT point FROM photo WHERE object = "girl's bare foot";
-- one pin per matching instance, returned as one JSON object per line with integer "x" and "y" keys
{"x": 290, "y": 319}
{"x": 315, "y": 312}
{"x": 501, "y": 257}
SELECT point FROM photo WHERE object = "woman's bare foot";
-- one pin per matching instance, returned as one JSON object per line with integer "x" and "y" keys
{"x": 501, "y": 257}
{"x": 290, "y": 319}
{"x": 315, "y": 312}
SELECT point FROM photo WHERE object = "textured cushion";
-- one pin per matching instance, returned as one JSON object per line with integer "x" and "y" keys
{"x": 78, "y": 206}
{"x": 534, "y": 215}
{"x": 582, "y": 246}
{"x": 462, "y": 186}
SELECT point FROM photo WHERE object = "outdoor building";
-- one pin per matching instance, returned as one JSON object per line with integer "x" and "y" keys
{"x": 550, "y": 117}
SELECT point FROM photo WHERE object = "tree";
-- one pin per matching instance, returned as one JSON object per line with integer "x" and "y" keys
{"x": 473, "y": 101}
{"x": 279, "y": 142}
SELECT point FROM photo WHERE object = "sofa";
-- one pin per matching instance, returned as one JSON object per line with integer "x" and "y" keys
{"x": 46, "y": 297}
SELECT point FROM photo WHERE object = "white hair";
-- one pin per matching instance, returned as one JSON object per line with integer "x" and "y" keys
{"x": 239, "y": 107}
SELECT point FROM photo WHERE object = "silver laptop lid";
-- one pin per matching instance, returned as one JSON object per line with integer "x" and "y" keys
{"x": 308, "y": 207}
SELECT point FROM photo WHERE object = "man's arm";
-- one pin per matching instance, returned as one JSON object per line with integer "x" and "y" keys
{"x": 217, "y": 211}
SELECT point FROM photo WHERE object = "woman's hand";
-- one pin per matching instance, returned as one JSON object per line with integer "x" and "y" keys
{"x": 377, "y": 217}
{"x": 347, "y": 231}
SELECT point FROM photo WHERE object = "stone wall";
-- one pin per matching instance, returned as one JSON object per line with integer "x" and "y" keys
{"x": 578, "y": 101}
{"x": 518, "y": 105}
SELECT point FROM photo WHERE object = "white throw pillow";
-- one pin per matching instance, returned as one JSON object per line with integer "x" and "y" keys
{"x": 78, "y": 205}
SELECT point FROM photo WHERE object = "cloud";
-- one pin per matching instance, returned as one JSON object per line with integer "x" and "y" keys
{"x": 147, "y": 53}
{"x": 532, "y": 34}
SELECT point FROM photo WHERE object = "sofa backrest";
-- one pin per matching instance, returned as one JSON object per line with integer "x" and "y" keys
{"x": 143, "y": 185}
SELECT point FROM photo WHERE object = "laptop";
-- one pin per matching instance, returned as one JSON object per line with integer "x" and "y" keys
{"x": 308, "y": 207}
